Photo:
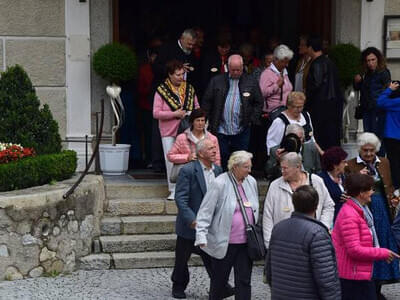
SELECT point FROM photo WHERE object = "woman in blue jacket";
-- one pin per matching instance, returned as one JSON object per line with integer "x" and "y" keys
{"x": 389, "y": 101}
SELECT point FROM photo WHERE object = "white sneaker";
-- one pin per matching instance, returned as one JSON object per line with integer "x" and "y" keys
{"x": 171, "y": 196}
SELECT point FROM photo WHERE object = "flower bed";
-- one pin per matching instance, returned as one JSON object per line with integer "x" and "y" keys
{"x": 13, "y": 152}
{"x": 37, "y": 170}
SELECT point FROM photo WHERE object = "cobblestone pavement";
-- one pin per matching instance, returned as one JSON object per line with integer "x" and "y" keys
{"x": 146, "y": 284}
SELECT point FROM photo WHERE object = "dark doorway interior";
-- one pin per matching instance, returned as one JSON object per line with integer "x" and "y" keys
{"x": 136, "y": 22}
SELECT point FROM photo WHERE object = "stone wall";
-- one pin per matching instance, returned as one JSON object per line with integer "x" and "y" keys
{"x": 32, "y": 34}
{"x": 42, "y": 233}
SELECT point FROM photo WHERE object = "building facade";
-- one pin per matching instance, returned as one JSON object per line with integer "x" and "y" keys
{"x": 53, "y": 40}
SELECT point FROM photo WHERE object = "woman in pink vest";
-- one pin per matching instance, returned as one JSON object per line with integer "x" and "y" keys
{"x": 355, "y": 241}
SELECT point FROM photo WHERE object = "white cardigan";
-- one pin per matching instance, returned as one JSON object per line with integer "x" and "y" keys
{"x": 214, "y": 218}
{"x": 278, "y": 204}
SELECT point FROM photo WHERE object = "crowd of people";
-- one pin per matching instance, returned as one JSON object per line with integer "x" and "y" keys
{"x": 329, "y": 225}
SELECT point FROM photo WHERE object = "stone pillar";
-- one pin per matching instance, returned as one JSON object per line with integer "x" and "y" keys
{"x": 372, "y": 14}
{"x": 77, "y": 31}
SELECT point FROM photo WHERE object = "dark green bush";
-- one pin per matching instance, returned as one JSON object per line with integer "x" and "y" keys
{"x": 38, "y": 170}
{"x": 347, "y": 58}
{"x": 115, "y": 63}
{"x": 21, "y": 118}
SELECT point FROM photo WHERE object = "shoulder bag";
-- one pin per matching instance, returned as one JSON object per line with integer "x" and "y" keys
{"x": 173, "y": 176}
{"x": 255, "y": 240}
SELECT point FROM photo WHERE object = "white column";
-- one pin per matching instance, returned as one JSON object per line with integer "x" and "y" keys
{"x": 77, "y": 30}
{"x": 372, "y": 14}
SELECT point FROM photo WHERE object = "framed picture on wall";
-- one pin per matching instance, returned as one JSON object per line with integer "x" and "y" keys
{"x": 391, "y": 43}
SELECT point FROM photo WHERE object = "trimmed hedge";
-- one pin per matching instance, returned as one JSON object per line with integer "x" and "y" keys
{"x": 38, "y": 170}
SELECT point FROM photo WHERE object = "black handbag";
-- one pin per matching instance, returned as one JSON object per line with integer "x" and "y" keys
{"x": 255, "y": 240}
{"x": 184, "y": 124}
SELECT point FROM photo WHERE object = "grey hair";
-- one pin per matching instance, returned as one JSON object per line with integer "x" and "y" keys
{"x": 293, "y": 159}
{"x": 282, "y": 51}
{"x": 238, "y": 158}
{"x": 230, "y": 58}
{"x": 294, "y": 128}
{"x": 189, "y": 32}
{"x": 201, "y": 145}
{"x": 368, "y": 138}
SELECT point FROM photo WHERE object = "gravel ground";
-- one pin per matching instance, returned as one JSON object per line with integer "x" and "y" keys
{"x": 144, "y": 284}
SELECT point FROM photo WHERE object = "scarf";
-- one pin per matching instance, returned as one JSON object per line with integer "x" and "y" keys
{"x": 370, "y": 221}
{"x": 176, "y": 98}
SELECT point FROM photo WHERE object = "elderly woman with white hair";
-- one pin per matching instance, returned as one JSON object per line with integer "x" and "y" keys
{"x": 278, "y": 202}
{"x": 220, "y": 229}
{"x": 274, "y": 81}
{"x": 382, "y": 205}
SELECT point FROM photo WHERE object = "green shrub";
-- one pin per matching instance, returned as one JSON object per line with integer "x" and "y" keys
{"x": 347, "y": 58}
{"x": 21, "y": 118}
{"x": 38, "y": 170}
{"x": 115, "y": 63}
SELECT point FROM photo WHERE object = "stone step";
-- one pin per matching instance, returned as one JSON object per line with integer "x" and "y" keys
{"x": 135, "y": 207}
{"x": 142, "y": 260}
{"x": 137, "y": 243}
{"x": 143, "y": 189}
{"x": 137, "y": 225}
{"x": 153, "y": 189}
{"x": 100, "y": 261}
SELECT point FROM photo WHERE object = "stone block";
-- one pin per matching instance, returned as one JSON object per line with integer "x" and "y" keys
{"x": 12, "y": 273}
{"x": 43, "y": 60}
{"x": 125, "y": 207}
{"x": 56, "y": 99}
{"x": 392, "y": 7}
{"x": 1, "y": 55}
{"x": 36, "y": 272}
{"x": 148, "y": 224}
{"x": 111, "y": 226}
{"x": 138, "y": 243}
{"x": 170, "y": 207}
{"x": 4, "y": 251}
{"x": 46, "y": 254}
{"x": 95, "y": 262}
{"x": 32, "y": 18}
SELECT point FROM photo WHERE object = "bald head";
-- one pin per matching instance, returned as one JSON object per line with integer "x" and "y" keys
{"x": 235, "y": 66}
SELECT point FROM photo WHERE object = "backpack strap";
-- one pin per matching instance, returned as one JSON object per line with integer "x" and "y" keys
{"x": 310, "y": 178}
{"x": 284, "y": 119}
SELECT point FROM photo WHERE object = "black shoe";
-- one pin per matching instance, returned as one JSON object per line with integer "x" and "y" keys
{"x": 177, "y": 294}
{"x": 228, "y": 291}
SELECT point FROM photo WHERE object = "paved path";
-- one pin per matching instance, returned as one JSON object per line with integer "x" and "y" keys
{"x": 146, "y": 284}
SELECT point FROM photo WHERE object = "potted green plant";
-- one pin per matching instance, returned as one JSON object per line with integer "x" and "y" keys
{"x": 116, "y": 63}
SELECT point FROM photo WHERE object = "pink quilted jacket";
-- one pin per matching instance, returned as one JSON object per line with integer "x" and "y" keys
{"x": 184, "y": 145}
{"x": 352, "y": 240}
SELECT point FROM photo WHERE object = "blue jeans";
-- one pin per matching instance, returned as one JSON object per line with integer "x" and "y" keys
{"x": 232, "y": 143}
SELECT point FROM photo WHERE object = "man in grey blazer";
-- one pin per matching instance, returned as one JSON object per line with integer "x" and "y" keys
{"x": 193, "y": 181}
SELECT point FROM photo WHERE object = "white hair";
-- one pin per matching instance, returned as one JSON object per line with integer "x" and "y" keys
{"x": 238, "y": 158}
{"x": 294, "y": 128}
{"x": 368, "y": 138}
{"x": 233, "y": 56}
{"x": 293, "y": 159}
{"x": 189, "y": 32}
{"x": 282, "y": 51}
{"x": 202, "y": 144}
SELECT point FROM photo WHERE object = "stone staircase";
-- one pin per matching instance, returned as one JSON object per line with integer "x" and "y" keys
{"x": 138, "y": 226}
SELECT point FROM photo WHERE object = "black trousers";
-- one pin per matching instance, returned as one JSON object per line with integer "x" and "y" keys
{"x": 237, "y": 258}
{"x": 358, "y": 289}
{"x": 393, "y": 154}
{"x": 183, "y": 250}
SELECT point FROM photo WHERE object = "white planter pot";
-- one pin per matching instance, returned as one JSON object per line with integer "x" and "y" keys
{"x": 114, "y": 159}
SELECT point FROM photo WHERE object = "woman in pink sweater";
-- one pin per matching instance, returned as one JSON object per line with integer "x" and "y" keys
{"x": 184, "y": 148}
{"x": 174, "y": 99}
{"x": 355, "y": 240}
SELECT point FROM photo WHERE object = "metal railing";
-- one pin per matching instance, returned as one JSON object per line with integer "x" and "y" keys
{"x": 99, "y": 133}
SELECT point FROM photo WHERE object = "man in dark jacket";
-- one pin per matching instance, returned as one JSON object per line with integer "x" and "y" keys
{"x": 193, "y": 180}
{"x": 301, "y": 261}
{"x": 324, "y": 97}
{"x": 233, "y": 102}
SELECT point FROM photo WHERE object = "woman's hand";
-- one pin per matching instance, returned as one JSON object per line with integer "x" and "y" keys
{"x": 392, "y": 256}
{"x": 394, "y": 85}
{"x": 364, "y": 171}
{"x": 180, "y": 113}
{"x": 357, "y": 78}
{"x": 395, "y": 201}
{"x": 192, "y": 156}
{"x": 344, "y": 197}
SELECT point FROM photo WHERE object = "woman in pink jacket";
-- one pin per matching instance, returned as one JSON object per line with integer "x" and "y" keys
{"x": 184, "y": 148}
{"x": 355, "y": 241}
{"x": 174, "y": 99}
